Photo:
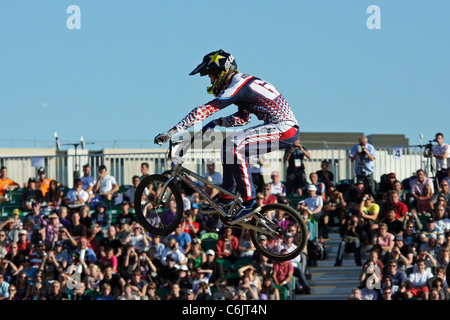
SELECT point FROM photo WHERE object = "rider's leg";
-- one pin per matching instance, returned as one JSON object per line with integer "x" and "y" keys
{"x": 254, "y": 141}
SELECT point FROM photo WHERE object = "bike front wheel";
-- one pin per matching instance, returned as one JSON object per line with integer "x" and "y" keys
{"x": 158, "y": 204}
{"x": 287, "y": 223}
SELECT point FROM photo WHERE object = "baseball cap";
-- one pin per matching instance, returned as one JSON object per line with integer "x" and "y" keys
{"x": 312, "y": 187}
{"x": 16, "y": 211}
{"x": 210, "y": 252}
{"x": 399, "y": 237}
{"x": 23, "y": 231}
{"x": 184, "y": 267}
{"x": 392, "y": 175}
{"x": 430, "y": 220}
{"x": 41, "y": 170}
{"x": 288, "y": 235}
{"x": 101, "y": 204}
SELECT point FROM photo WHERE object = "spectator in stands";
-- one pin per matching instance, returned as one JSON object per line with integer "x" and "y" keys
{"x": 424, "y": 199}
{"x": 364, "y": 155}
{"x": 12, "y": 233}
{"x": 324, "y": 175}
{"x": 351, "y": 235}
{"x": 268, "y": 289}
{"x": 387, "y": 183}
{"x": 190, "y": 226}
{"x": 383, "y": 240}
{"x": 246, "y": 247}
{"x": 196, "y": 253}
{"x": 296, "y": 176}
{"x": 282, "y": 274}
{"x": 115, "y": 282}
{"x": 183, "y": 238}
{"x": 368, "y": 291}
{"x": 400, "y": 208}
{"x": 431, "y": 229}
{"x": 23, "y": 242}
{"x": 443, "y": 192}
{"x": 138, "y": 285}
{"x": 32, "y": 194}
{"x": 90, "y": 256}
{"x": 228, "y": 245}
{"x": 173, "y": 251}
{"x": 334, "y": 209}
{"x": 398, "y": 278}
{"x": 51, "y": 229}
{"x": 43, "y": 183}
{"x": 320, "y": 186}
{"x": 444, "y": 256}
{"x": 393, "y": 224}
{"x": 6, "y": 184}
{"x": 144, "y": 170}
{"x": 63, "y": 213}
{"x": 76, "y": 229}
{"x": 22, "y": 286}
{"x": 418, "y": 280}
{"x": 439, "y": 282}
{"x": 18, "y": 223}
{"x": 224, "y": 291}
{"x": 212, "y": 264}
{"x": 418, "y": 184}
{"x": 368, "y": 213}
{"x": 276, "y": 187}
{"x": 412, "y": 219}
{"x": 128, "y": 195}
{"x": 151, "y": 292}
{"x": 88, "y": 180}
{"x": 313, "y": 205}
{"x": 138, "y": 238}
{"x": 405, "y": 252}
{"x": 54, "y": 196}
{"x": 105, "y": 294}
{"x": 77, "y": 196}
{"x": 267, "y": 196}
{"x": 4, "y": 286}
{"x": 440, "y": 202}
{"x": 431, "y": 246}
{"x": 56, "y": 293}
{"x": 36, "y": 215}
{"x": 441, "y": 152}
{"x": 356, "y": 194}
{"x": 101, "y": 219}
{"x": 106, "y": 185}
{"x": 125, "y": 216}
{"x": 403, "y": 195}
{"x": 442, "y": 222}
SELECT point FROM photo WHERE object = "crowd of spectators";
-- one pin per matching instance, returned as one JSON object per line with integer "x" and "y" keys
{"x": 69, "y": 246}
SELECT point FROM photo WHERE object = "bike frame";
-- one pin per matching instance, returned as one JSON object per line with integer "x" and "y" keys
{"x": 185, "y": 174}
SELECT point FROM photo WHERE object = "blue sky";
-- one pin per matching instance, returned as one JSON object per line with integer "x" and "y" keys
{"x": 124, "y": 75}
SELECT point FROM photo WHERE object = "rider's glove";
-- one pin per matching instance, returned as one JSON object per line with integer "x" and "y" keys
{"x": 211, "y": 125}
{"x": 162, "y": 138}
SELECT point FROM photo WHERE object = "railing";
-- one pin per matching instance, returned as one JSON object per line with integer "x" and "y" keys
{"x": 404, "y": 161}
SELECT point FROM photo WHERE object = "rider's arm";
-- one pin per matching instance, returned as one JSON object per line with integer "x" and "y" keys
{"x": 199, "y": 114}
{"x": 240, "y": 118}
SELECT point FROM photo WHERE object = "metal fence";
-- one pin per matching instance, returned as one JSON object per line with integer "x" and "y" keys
{"x": 404, "y": 161}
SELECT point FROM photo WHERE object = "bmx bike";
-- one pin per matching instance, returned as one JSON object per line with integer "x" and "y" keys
{"x": 159, "y": 209}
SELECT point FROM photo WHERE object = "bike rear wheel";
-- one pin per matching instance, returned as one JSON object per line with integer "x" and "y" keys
{"x": 159, "y": 210}
{"x": 270, "y": 245}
